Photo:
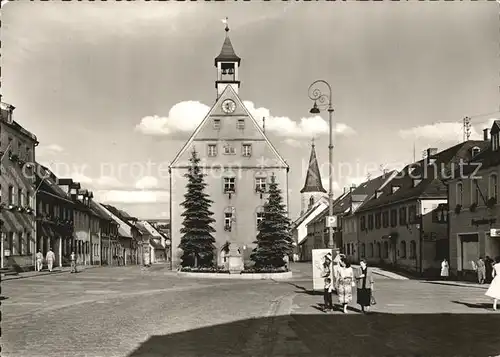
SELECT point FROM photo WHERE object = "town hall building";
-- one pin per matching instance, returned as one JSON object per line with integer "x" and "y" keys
{"x": 238, "y": 160}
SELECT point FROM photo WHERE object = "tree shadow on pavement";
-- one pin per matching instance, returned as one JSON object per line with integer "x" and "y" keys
{"x": 377, "y": 334}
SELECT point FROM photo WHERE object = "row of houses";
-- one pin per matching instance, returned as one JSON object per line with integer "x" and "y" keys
{"x": 39, "y": 211}
{"x": 443, "y": 206}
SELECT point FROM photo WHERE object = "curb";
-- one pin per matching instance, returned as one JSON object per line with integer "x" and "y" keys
{"x": 17, "y": 277}
{"x": 389, "y": 275}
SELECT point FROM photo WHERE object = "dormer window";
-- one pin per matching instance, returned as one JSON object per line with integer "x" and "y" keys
{"x": 217, "y": 124}
{"x": 378, "y": 193}
{"x": 475, "y": 151}
{"x": 395, "y": 188}
{"x": 495, "y": 142}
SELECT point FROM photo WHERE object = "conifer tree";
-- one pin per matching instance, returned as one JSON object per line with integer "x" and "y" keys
{"x": 197, "y": 241}
{"x": 274, "y": 240}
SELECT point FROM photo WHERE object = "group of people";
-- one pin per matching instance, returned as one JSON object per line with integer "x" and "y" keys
{"x": 342, "y": 278}
{"x": 50, "y": 258}
{"x": 484, "y": 269}
{"x": 488, "y": 271}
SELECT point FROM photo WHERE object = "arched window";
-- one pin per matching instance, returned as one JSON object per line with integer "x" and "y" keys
{"x": 370, "y": 250}
{"x": 474, "y": 190}
{"x": 460, "y": 193}
{"x": 493, "y": 187}
{"x": 386, "y": 250}
{"x": 363, "y": 252}
{"x": 475, "y": 151}
{"x": 311, "y": 201}
{"x": 259, "y": 216}
{"x": 413, "y": 249}
{"x": 402, "y": 249}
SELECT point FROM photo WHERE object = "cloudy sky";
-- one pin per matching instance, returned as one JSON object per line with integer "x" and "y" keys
{"x": 113, "y": 90}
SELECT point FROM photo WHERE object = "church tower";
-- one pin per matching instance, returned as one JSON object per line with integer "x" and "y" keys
{"x": 227, "y": 63}
{"x": 313, "y": 187}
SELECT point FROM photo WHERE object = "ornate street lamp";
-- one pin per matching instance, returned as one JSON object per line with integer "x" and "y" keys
{"x": 324, "y": 101}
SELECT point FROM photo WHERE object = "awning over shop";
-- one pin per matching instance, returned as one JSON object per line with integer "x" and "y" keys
{"x": 46, "y": 230}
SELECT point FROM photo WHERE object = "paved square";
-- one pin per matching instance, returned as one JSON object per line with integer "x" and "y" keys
{"x": 126, "y": 312}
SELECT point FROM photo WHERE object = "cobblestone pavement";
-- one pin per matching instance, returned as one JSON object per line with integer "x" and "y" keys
{"x": 127, "y": 312}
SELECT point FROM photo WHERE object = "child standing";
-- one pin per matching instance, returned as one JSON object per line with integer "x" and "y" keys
{"x": 327, "y": 295}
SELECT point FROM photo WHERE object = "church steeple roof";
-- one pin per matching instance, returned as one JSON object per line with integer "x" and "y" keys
{"x": 313, "y": 177}
{"x": 227, "y": 53}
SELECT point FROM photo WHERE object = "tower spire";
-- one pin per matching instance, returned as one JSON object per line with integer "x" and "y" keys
{"x": 313, "y": 177}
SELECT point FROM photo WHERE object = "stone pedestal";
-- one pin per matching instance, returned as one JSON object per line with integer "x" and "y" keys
{"x": 235, "y": 260}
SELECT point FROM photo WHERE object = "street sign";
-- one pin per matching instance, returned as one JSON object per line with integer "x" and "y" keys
{"x": 7, "y": 252}
{"x": 494, "y": 233}
{"x": 331, "y": 221}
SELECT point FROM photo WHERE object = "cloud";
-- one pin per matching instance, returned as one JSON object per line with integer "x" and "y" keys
{"x": 182, "y": 117}
{"x": 293, "y": 143}
{"x": 305, "y": 128}
{"x": 130, "y": 196}
{"x": 81, "y": 178}
{"x": 446, "y": 131}
{"x": 49, "y": 150}
{"x": 108, "y": 182}
{"x": 185, "y": 116}
{"x": 147, "y": 182}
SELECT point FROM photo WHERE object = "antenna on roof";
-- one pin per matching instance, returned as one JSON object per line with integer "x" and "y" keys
{"x": 264, "y": 125}
{"x": 467, "y": 128}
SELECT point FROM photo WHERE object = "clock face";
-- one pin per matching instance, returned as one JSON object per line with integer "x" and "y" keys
{"x": 228, "y": 106}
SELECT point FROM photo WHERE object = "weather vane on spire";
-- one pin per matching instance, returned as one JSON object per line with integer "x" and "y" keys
{"x": 312, "y": 141}
{"x": 224, "y": 21}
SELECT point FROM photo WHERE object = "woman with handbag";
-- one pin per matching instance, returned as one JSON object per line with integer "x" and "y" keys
{"x": 345, "y": 283}
{"x": 364, "y": 281}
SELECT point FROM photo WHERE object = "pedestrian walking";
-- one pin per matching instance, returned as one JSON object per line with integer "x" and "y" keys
{"x": 364, "y": 282}
{"x": 50, "y": 259}
{"x": 445, "y": 269}
{"x": 494, "y": 289}
{"x": 488, "y": 262}
{"x": 481, "y": 270}
{"x": 345, "y": 283}
{"x": 72, "y": 258}
{"x": 39, "y": 260}
{"x": 327, "y": 295}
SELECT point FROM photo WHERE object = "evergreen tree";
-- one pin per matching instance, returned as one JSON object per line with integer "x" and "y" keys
{"x": 197, "y": 241}
{"x": 274, "y": 240}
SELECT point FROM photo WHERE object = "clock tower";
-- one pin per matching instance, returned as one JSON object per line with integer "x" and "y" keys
{"x": 238, "y": 161}
{"x": 227, "y": 63}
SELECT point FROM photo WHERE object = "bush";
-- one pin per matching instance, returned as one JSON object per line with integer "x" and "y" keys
{"x": 265, "y": 270}
{"x": 218, "y": 270}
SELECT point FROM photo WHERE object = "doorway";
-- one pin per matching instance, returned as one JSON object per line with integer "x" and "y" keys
{"x": 470, "y": 250}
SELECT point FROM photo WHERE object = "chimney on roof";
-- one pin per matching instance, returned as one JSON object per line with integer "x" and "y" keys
{"x": 431, "y": 152}
{"x": 485, "y": 134}
{"x": 345, "y": 189}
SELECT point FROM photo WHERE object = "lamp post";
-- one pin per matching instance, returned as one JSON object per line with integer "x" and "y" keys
{"x": 324, "y": 101}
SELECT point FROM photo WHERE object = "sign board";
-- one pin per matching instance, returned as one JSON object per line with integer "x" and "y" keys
{"x": 331, "y": 221}
{"x": 322, "y": 260}
{"x": 6, "y": 252}
{"x": 495, "y": 233}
